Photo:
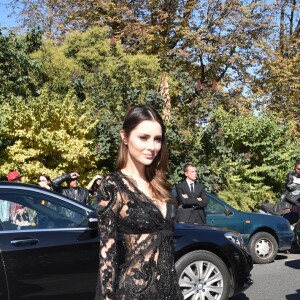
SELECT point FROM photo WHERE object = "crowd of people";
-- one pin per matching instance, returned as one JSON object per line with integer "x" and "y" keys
{"x": 19, "y": 215}
{"x": 72, "y": 189}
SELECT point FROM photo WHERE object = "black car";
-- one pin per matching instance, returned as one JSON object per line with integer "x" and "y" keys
{"x": 49, "y": 250}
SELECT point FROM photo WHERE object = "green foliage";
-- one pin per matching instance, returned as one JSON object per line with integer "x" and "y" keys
{"x": 90, "y": 49}
{"x": 20, "y": 74}
{"x": 63, "y": 102}
{"x": 250, "y": 154}
{"x": 245, "y": 188}
{"x": 246, "y": 196}
{"x": 114, "y": 80}
{"x": 192, "y": 105}
{"x": 48, "y": 134}
{"x": 58, "y": 68}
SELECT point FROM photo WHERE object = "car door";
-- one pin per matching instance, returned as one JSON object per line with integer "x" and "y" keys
{"x": 3, "y": 282}
{"x": 52, "y": 254}
{"x": 221, "y": 215}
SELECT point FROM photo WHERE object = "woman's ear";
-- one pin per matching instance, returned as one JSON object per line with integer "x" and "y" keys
{"x": 123, "y": 136}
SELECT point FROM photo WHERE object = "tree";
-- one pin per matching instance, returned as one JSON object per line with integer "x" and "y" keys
{"x": 250, "y": 155}
{"x": 47, "y": 134}
{"x": 192, "y": 83}
{"x": 220, "y": 40}
{"x": 277, "y": 88}
{"x": 276, "y": 83}
{"x": 20, "y": 73}
{"x": 49, "y": 15}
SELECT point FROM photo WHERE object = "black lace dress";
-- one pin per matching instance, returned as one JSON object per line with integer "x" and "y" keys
{"x": 148, "y": 272}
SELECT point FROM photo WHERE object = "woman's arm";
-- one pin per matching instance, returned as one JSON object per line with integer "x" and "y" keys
{"x": 107, "y": 227}
{"x": 90, "y": 184}
{"x": 57, "y": 182}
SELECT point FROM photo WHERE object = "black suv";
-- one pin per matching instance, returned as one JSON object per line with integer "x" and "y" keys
{"x": 51, "y": 251}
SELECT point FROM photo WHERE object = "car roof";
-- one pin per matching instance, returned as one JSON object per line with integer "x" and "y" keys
{"x": 17, "y": 183}
{"x": 12, "y": 184}
{"x": 29, "y": 186}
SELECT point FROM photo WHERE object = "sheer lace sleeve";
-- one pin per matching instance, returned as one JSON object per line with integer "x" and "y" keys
{"x": 107, "y": 227}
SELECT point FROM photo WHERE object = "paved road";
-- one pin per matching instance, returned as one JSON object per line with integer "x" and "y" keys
{"x": 279, "y": 280}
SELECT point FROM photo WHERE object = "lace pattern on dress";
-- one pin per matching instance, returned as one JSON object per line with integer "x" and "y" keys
{"x": 146, "y": 237}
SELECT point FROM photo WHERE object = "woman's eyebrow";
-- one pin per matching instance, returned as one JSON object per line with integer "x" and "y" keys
{"x": 148, "y": 135}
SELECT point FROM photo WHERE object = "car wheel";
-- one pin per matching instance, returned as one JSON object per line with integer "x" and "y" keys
{"x": 203, "y": 275}
{"x": 263, "y": 248}
{"x": 296, "y": 240}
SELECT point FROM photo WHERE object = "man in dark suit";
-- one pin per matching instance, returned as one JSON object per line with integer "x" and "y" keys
{"x": 191, "y": 197}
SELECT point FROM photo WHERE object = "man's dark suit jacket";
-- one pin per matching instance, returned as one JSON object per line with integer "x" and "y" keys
{"x": 190, "y": 209}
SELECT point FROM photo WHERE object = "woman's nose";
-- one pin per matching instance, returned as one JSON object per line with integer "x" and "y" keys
{"x": 150, "y": 144}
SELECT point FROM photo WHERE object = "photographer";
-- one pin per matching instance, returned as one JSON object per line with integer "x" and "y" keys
{"x": 292, "y": 192}
{"x": 73, "y": 190}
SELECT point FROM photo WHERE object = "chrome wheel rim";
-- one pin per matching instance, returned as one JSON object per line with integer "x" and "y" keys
{"x": 201, "y": 280}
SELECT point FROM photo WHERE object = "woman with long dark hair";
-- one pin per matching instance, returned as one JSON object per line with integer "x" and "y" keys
{"x": 45, "y": 182}
{"x": 94, "y": 184}
{"x": 136, "y": 205}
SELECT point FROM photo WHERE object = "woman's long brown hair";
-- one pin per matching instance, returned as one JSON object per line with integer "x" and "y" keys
{"x": 155, "y": 173}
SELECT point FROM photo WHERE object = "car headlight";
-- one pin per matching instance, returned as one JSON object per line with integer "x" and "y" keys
{"x": 235, "y": 238}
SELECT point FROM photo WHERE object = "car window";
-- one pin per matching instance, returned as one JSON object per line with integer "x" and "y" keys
{"x": 33, "y": 210}
{"x": 214, "y": 206}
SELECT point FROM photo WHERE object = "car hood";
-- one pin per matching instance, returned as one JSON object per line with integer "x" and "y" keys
{"x": 252, "y": 216}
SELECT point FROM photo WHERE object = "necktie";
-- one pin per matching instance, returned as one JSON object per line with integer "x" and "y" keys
{"x": 192, "y": 187}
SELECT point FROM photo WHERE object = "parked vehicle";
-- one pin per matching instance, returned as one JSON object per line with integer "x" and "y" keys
{"x": 54, "y": 254}
{"x": 297, "y": 235}
{"x": 264, "y": 235}
{"x": 211, "y": 263}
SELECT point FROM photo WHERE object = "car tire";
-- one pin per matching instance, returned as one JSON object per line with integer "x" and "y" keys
{"x": 296, "y": 241}
{"x": 263, "y": 247}
{"x": 203, "y": 275}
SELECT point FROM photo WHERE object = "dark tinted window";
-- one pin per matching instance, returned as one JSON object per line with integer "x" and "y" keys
{"x": 32, "y": 210}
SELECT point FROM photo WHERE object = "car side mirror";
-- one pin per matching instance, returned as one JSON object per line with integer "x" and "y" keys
{"x": 92, "y": 220}
{"x": 228, "y": 212}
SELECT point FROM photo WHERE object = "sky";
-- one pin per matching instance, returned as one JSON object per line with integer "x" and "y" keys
{"x": 4, "y": 20}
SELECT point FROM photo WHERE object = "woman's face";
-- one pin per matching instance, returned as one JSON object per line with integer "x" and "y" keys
{"x": 144, "y": 142}
{"x": 43, "y": 181}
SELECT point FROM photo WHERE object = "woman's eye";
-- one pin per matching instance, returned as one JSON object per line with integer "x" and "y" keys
{"x": 158, "y": 139}
{"x": 144, "y": 138}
